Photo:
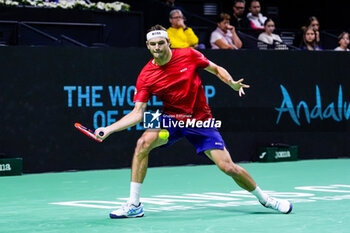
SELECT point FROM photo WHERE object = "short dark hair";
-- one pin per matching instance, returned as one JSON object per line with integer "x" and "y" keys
{"x": 222, "y": 16}
{"x": 235, "y": 1}
{"x": 267, "y": 21}
{"x": 253, "y": 1}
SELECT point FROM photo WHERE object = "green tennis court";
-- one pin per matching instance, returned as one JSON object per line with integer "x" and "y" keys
{"x": 180, "y": 199}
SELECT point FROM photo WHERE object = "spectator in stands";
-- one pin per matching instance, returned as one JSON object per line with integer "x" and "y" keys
{"x": 343, "y": 40}
{"x": 309, "y": 40}
{"x": 269, "y": 37}
{"x": 238, "y": 20}
{"x": 314, "y": 24}
{"x": 180, "y": 35}
{"x": 170, "y": 3}
{"x": 224, "y": 36}
{"x": 256, "y": 19}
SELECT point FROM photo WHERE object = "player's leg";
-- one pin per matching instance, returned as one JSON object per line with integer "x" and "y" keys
{"x": 148, "y": 141}
{"x": 223, "y": 160}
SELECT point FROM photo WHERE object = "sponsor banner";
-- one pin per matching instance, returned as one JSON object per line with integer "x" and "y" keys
{"x": 11, "y": 167}
{"x": 277, "y": 154}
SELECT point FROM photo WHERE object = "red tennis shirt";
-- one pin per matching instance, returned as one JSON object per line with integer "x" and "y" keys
{"x": 177, "y": 84}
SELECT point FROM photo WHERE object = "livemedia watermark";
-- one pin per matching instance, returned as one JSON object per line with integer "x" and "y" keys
{"x": 155, "y": 120}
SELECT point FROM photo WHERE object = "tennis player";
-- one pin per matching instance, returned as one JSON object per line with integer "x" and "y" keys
{"x": 172, "y": 76}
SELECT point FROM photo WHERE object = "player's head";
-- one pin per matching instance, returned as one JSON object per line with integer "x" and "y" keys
{"x": 158, "y": 41}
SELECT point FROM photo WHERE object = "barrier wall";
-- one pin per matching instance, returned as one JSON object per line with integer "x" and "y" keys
{"x": 118, "y": 29}
{"x": 296, "y": 97}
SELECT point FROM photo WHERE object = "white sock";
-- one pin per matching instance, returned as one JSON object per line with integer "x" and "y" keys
{"x": 262, "y": 197}
{"x": 135, "y": 190}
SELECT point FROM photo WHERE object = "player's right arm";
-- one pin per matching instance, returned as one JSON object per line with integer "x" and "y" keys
{"x": 129, "y": 120}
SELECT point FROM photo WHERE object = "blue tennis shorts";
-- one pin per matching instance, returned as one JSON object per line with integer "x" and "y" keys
{"x": 202, "y": 138}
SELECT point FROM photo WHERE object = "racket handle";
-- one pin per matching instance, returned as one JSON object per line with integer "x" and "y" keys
{"x": 101, "y": 134}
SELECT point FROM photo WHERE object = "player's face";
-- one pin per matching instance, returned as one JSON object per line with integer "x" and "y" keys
{"x": 158, "y": 47}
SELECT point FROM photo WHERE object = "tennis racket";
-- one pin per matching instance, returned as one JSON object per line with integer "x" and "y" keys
{"x": 88, "y": 132}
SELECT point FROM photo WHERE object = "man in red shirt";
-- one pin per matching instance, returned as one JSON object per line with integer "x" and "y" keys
{"x": 171, "y": 75}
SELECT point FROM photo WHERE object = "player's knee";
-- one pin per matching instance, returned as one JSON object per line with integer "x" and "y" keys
{"x": 230, "y": 169}
{"x": 142, "y": 146}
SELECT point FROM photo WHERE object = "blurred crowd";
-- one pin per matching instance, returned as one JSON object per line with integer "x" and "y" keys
{"x": 230, "y": 29}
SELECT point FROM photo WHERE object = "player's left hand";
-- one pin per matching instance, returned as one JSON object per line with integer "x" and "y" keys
{"x": 238, "y": 86}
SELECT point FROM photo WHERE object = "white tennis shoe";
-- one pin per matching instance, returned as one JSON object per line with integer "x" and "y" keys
{"x": 128, "y": 211}
{"x": 280, "y": 205}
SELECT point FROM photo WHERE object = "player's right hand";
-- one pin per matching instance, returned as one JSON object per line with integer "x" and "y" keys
{"x": 102, "y": 133}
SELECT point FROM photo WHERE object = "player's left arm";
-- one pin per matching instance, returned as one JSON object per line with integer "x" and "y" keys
{"x": 224, "y": 76}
